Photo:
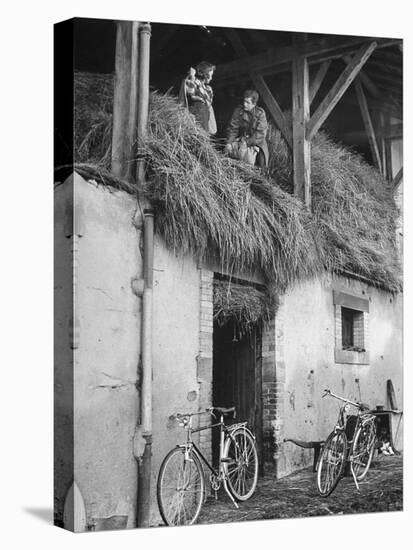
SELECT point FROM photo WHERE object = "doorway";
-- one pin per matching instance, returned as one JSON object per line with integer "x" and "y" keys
{"x": 237, "y": 380}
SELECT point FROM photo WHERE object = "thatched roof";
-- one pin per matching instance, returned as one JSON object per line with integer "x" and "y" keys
{"x": 209, "y": 205}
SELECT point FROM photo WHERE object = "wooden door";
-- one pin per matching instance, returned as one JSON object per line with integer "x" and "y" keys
{"x": 237, "y": 376}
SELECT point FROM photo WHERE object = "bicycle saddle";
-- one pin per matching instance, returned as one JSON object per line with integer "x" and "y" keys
{"x": 224, "y": 410}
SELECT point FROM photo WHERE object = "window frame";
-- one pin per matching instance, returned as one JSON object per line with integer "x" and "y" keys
{"x": 360, "y": 306}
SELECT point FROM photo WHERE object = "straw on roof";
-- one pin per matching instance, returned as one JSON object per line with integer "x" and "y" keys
{"x": 209, "y": 205}
{"x": 244, "y": 305}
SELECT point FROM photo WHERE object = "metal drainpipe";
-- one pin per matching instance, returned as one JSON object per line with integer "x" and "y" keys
{"x": 143, "y": 446}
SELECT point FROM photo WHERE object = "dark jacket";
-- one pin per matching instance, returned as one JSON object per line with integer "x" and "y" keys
{"x": 253, "y": 126}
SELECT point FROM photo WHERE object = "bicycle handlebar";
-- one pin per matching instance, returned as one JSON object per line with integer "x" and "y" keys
{"x": 210, "y": 410}
{"x": 361, "y": 406}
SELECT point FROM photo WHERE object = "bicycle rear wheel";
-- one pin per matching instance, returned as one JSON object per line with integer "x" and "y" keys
{"x": 331, "y": 463}
{"x": 363, "y": 449}
{"x": 241, "y": 463}
{"x": 180, "y": 488}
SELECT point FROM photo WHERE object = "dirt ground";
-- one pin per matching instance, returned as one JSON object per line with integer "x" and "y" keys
{"x": 296, "y": 496}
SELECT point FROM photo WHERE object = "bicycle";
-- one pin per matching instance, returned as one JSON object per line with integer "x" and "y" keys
{"x": 346, "y": 445}
{"x": 181, "y": 480}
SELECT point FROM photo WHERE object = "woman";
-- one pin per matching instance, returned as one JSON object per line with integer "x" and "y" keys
{"x": 197, "y": 95}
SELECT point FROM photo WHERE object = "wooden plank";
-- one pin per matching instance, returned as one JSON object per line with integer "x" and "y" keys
{"x": 316, "y": 50}
{"x": 387, "y": 154}
{"x": 133, "y": 104}
{"x": 273, "y": 108}
{"x": 338, "y": 89}
{"x": 368, "y": 125}
{"x": 397, "y": 179}
{"x": 262, "y": 88}
{"x": 382, "y": 142}
{"x": 301, "y": 144}
{"x": 391, "y": 395}
{"x": 366, "y": 80}
{"x": 318, "y": 79}
{"x": 125, "y": 97}
{"x": 257, "y": 358}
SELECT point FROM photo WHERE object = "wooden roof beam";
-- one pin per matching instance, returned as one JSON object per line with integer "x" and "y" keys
{"x": 262, "y": 88}
{"x": 368, "y": 125}
{"x": 125, "y": 105}
{"x": 397, "y": 179}
{"x": 320, "y": 49}
{"x": 366, "y": 80}
{"x": 300, "y": 119}
{"x": 338, "y": 89}
{"x": 273, "y": 108}
{"x": 318, "y": 79}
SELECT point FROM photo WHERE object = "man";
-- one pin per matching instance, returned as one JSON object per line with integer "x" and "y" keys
{"x": 248, "y": 125}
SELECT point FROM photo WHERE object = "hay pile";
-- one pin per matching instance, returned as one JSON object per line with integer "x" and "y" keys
{"x": 352, "y": 205}
{"x": 209, "y": 205}
{"x": 245, "y": 306}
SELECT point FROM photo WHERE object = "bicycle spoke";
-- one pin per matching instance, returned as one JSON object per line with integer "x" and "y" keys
{"x": 180, "y": 488}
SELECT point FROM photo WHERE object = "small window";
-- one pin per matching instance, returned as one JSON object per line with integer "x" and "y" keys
{"x": 352, "y": 330}
{"x": 347, "y": 328}
{"x": 351, "y": 314}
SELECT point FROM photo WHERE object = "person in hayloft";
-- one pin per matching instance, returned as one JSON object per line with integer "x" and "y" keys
{"x": 197, "y": 95}
{"x": 247, "y": 131}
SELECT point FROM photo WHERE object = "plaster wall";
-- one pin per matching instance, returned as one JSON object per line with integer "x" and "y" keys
{"x": 176, "y": 324}
{"x": 63, "y": 351}
{"x": 106, "y": 344}
{"x": 97, "y": 367}
{"x": 309, "y": 342}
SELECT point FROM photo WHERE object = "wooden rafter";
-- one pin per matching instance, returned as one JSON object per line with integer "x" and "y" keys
{"x": 125, "y": 98}
{"x": 397, "y": 179}
{"x": 301, "y": 144}
{"x": 338, "y": 89}
{"x": 273, "y": 108}
{"x": 318, "y": 79}
{"x": 366, "y": 80}
{"x": 380, "y": 118}
{"x": 272, "y": 61}
{"x": 368, "y": 125}
{"x": 262, "y": 88}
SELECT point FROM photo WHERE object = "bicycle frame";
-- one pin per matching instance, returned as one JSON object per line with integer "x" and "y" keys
{"x": 362, "y": 418}
{"x": 191, "y": 446}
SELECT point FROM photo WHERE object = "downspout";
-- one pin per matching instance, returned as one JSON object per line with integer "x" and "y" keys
{"x": 143, "y": 434}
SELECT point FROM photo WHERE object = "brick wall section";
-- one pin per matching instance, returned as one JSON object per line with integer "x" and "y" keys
{"x": 358, "y": 328}
{"x": 273, "y": 389}
{"x": 204, "y": 360}
{"x": 338, "y": 334}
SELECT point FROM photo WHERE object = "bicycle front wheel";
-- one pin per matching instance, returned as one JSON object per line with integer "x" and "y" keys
{"x": 363, "y": 449}
{"x": 180, "y": 487}
{"x": 241, "y": 463}
{"x": 331, "y": 463}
